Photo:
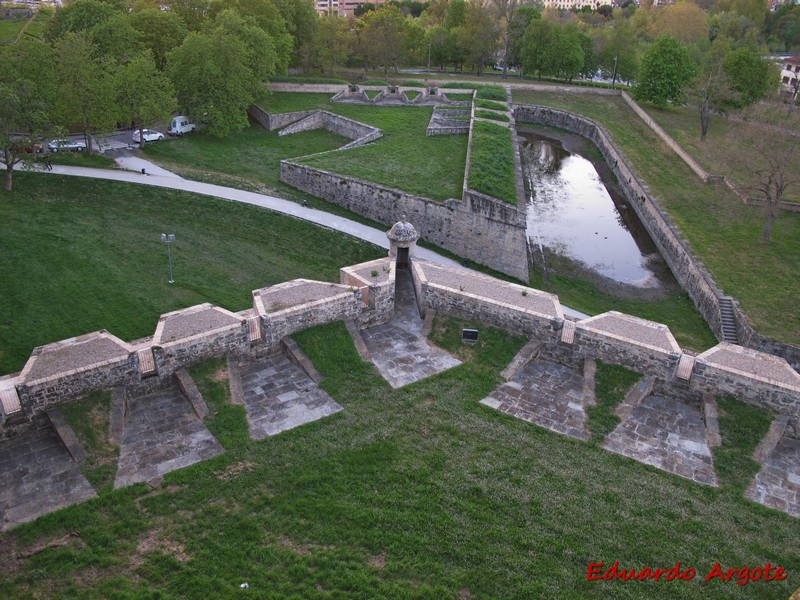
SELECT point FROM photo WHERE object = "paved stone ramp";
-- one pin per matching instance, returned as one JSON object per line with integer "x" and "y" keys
{"x": 162, "y": 433}
{"x": 37, "y": 476}
{"x": 278, "y": 395}
{"x": 667, "y": 434}
{"x": 777, "y": 485}
{"x": 546, "y": 394}
{"x": 399, "y": 349}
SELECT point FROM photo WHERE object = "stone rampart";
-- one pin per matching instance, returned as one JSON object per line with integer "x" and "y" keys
{"x": 483, "y": 229}
{"x": 272, "y": 122}
{"x": 376, "y": 282}
{"x": 322, "y": 119}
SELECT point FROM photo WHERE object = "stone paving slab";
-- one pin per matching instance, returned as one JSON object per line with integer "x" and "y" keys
{"x": 399, "y": 349}
{"x": 777, "y": 484}
{"x": 37, "y": 476}
{"x": 278, "y": 396}
{"x": 546, "y": 394}
{"x": 162, "y": 433}
{"x": 667, "y": 434}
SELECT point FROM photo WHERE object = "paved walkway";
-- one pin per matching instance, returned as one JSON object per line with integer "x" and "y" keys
{"x": 547, "y": 394}
{"x": 278, "y": 396}
{"x": 669, "y": 435}
{"x": 162, "y": 433}
{"x": 399, "y": 349}
{"x": 37, "y": 476}
{"x": 777, "y": 484}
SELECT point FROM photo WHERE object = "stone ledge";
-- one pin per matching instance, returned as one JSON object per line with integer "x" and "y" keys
{"x": 66, "y": 435}
{"x": 191, "y": 393}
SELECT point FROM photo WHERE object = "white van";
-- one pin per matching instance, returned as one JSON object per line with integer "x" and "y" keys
{"x": 180, "y": 125}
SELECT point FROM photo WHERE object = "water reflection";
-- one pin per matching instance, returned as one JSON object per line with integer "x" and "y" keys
{"x": 571, "y": 213}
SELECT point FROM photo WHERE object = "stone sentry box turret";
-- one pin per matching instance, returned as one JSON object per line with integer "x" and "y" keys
{"x": 402, "y": 243}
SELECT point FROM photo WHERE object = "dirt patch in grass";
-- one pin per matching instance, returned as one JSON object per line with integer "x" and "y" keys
{"x": 220, "y": 374}
{"x": 154, "y": 540}
{"x": 9, "y": 563}
{"x": 300, "y": 549}
{"x": 378, "y": 561}
{"x": 42, "y": 546}
{"x": 170, "y": 489}
{"x": 233, "y": 470}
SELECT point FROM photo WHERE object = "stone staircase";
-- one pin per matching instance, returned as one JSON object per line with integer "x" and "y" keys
{"x": 728, "y": 320}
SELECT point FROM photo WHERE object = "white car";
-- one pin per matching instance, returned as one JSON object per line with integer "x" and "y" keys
{"x": 149, "y": 135}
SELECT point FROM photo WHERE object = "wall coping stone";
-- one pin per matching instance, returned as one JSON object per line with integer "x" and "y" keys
{"x": 624, "y": 327}
{"x": 77, "y": 349}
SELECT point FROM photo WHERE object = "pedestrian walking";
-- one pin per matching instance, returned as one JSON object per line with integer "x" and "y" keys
{"x": 47, "y": 164}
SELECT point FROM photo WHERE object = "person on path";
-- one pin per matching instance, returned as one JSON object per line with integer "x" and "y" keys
{"x": 47, "y": 164}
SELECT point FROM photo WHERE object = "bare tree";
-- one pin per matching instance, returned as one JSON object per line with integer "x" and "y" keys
{"x": 771, "y": 144}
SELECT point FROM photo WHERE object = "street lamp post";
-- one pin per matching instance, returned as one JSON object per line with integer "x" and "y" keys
{"x": 614, "y": 78}
{"x": 168, "y": 239}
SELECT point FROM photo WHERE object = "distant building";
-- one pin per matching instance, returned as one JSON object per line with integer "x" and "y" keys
{"x": 343, "y": 8}
{"x": 576, "y": 4}
{"x": 790, "y": 76}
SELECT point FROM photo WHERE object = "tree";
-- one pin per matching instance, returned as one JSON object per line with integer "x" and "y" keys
{"x": 80, "y": 15}
{"x": 15, "y": 102}
{"x": 539, "y": 47}
{"x": 219, "y": 73}
{"x": 117, "y": 38}
{"x": 750, "y": 75}
{"x": 619, "y": 51}
{"x": 477, "y": 37}
{"x": 773, "y": 148}
{"x": 86, "y": 82}
{"x": 143, "y": 94}
{"x": 333, "y": 42}
{"x": 522, "y": 17}
{"x": 665, "y": 71}
{"x": 160, "y": 31}
{"x": 684, "y": 21}
{"x": 505, "y": 11}
{"x": 711, "y": 89}
{"x": 384, "y": 32}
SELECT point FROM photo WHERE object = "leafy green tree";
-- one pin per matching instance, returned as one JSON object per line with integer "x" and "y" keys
{"x": 665, "y": 71}
{"x": 751, "y": 75}
{"x": 591, "y": 62}
{"x": 219, "y": 73}
{"x": 443, "y": 48}
{"x": 333, "y": 42}
{"x": 268, "y": 17}
{"x": 86, "y": 82}
{"x": 619, "y": 50}
{"x": 539, "y": 47}
{"x": 194, "y": 13}
{"x": 522, "y": 17}
{"x": 386, "y": 35}
{"x": 477, "y": 37}
{"x": 80, "y": 15}
{"x": 27, "y": 101}
{"x": 143, "y": 93}
{"x": 302, "y": 22}
{"x": 117, "y": 38}
{"x": 160, "y": 31}
{"x": 456, "y": 14}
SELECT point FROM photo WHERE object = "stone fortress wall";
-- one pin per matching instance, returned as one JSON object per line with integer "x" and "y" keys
{"x": 69, "y": 369}
{"x": 688, "y": 270}
{"x": 477, "y": 227}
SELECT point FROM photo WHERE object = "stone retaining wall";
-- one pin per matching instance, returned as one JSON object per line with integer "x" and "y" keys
{"x": 483, "y": 229}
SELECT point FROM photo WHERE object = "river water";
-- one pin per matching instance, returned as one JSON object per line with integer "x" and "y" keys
{"x": 572, "y": 214}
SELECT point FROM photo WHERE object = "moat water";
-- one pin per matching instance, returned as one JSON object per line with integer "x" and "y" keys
{"x": 573, "y": 214}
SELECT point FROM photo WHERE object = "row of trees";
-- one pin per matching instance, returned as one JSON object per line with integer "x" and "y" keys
{"x": 105, "y": 62}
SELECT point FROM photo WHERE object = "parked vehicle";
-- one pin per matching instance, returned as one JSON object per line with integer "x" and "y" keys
{"x": 149, "y": 135}
{"x": 180, "y": 125}
{"x": 66, "y": 144}
{"x": 21, "y": 146}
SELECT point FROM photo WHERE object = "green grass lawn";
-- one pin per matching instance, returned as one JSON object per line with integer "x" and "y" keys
{"x": 401, "y": 159}
{"x": 36, "y": 29}
{"x": 9, "y": 29}
{"x": 81, "y": 255}
{"x": 491, "y": 169}
{"x": 724, "y": 233}
{"x": 415, "y": 493}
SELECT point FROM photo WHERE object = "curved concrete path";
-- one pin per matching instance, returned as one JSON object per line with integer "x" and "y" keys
{"x": 159, "y": 177}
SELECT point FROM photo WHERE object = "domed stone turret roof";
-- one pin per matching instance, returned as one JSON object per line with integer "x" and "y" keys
{"x": 403, "y": 231}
